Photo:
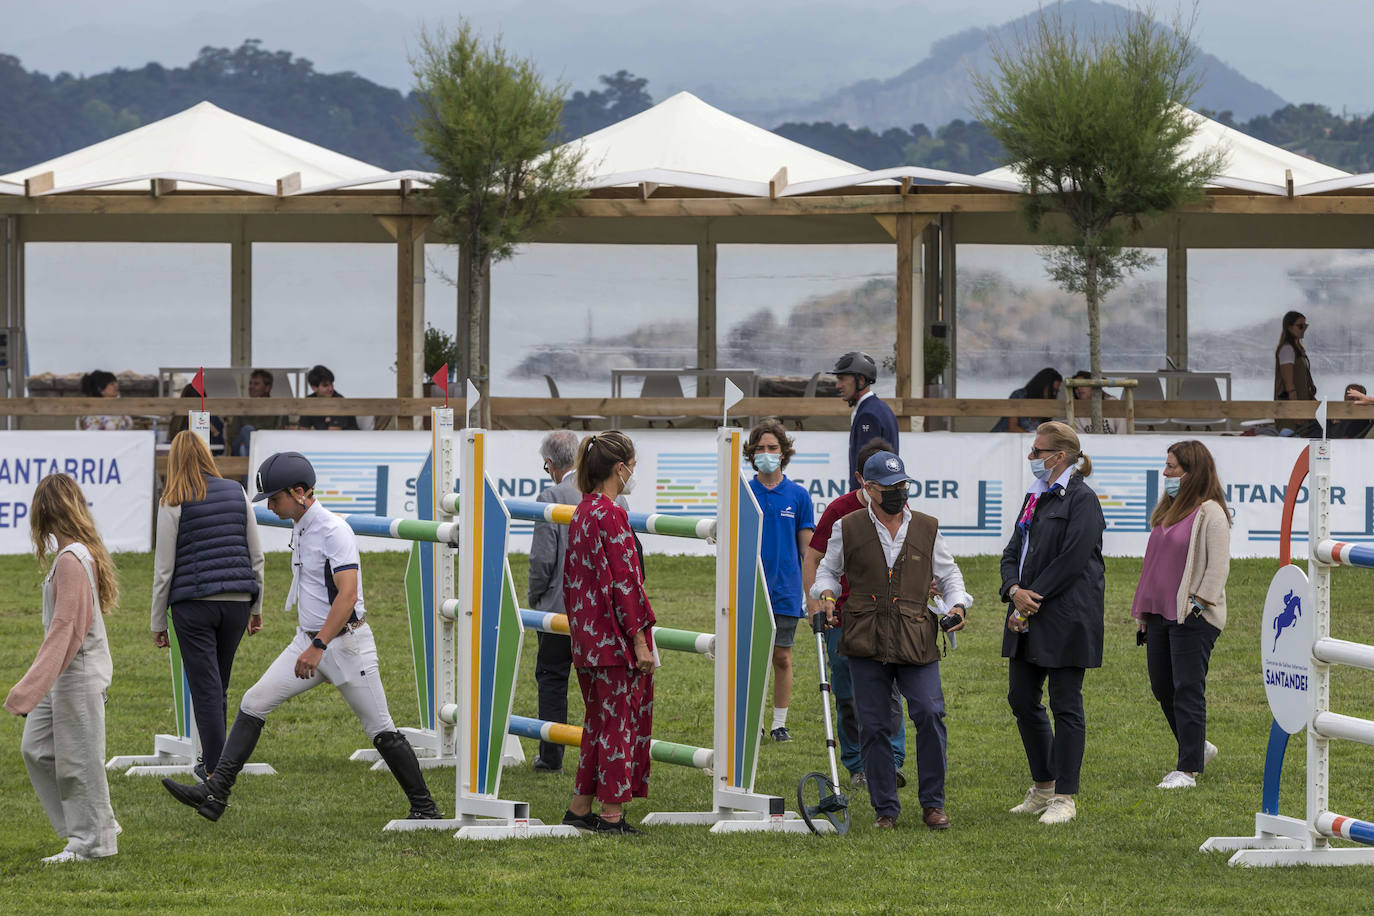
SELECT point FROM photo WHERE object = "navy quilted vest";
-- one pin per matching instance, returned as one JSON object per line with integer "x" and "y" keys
{"x": 212, "y": 545}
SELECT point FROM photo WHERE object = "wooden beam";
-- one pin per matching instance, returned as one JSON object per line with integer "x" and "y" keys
{"x": 198, "y": 203}
{"x": 163, "y": 186}
{"x": 38, "y": 184}
{"x": 888, "y": 222}
{"x": 778, "y": 183}
{"x": 408, "y": 354}
{"x": 647, "y": 189}
{"x": 1288, "y": 182}
{"x": 706, "y": 312}
{"x": 906, "y": 185}
{"x": 240, "y": 296}
{"x": 1176, "y": 303}
{"x": 228, "y": 465}
{"x": 289, "y": 184}
{"x": 906, "y": 317}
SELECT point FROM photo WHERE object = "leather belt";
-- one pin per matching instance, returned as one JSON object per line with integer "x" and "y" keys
{"x": 350, "y": 626}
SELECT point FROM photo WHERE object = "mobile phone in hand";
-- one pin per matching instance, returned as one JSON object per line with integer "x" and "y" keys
{"x": 1140, "y": 637}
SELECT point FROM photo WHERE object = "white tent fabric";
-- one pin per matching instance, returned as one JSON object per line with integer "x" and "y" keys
{"x": 684, "y": 142}
{"x": 1251, "y": 165}
{"x": 205, "y": 148}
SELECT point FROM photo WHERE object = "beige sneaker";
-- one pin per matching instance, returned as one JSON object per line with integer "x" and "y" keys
{"x": 1209, "y": 752}
{"x": 1060, "y": 810}
{"x": 1037, "y": 800}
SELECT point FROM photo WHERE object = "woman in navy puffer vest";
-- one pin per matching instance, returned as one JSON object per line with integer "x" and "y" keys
{"x": 208, "y": 571}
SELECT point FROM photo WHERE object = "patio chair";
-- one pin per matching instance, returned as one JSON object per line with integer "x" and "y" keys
{"x": 567, "y": 420}
{"x": 1199, "y": 388}
{"x": 808, "y": 392}
{"x": 661, "y": 386}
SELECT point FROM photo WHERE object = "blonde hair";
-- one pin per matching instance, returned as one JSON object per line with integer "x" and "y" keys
{"x": 1062, "y": 438}
{"x": 188, "y": 462}
{"x": 59, "y": 510}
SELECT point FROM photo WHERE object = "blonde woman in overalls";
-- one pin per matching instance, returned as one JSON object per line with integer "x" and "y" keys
{"x": 63, "y": 694}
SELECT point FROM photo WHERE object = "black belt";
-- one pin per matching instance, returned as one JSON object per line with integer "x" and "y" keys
{"x": 353, "y": 623}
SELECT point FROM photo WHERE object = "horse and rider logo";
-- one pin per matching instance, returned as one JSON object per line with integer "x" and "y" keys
{"x": 1292, "y": 610}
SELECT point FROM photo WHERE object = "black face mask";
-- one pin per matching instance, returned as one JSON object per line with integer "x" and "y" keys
{"x": 893, "y": 500}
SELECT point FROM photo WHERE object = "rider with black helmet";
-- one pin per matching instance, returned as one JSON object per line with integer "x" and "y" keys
{"x": 855, "y": 373}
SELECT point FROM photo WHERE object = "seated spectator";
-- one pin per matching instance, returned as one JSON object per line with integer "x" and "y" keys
{"x": 102, "y": 384}
{"x": 1082, "y": 410}
{"x": 1355, "y": 393}
{"x": 259, "y": 386}
{"x": 1044, "y": 384}
{"x": 321, "y": 382}
{"x": 181, "y": 421}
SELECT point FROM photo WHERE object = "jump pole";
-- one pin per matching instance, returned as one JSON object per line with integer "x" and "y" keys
{"x": 1299, "y": 692}
{"x": 177, "y": 754}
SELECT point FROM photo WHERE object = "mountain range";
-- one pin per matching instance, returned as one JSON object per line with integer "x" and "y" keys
{"x": 939, "y": 90}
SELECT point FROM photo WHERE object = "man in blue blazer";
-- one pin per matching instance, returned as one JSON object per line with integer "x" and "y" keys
{"x": 855, "y": 373}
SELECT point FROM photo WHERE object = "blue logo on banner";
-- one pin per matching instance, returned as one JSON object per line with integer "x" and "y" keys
{"x": 1128, "y": 489}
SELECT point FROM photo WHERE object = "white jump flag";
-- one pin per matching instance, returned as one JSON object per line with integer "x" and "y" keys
{"x": 1321, "y": 417}
{"x": 732, "y": 397}
{"x": 474, "y": 396}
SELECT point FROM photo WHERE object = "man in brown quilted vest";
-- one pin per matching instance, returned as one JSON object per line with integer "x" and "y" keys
{"x": 890, "y": 555}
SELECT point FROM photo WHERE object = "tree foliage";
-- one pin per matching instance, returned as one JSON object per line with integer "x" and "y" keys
{"x": 1096, "y": 128}
{"x": 488, "y": 123}
{"x": 623, "y": 95}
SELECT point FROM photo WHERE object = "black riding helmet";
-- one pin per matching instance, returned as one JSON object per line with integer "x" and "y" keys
{"x": 282, "y": 471}
{"x": 856, "y": 362}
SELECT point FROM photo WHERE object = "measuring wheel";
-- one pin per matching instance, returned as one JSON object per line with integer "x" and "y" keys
{"x": 821, "y": 804}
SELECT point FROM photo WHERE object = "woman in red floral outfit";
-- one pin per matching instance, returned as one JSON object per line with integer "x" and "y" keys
{"x": 611, "y": 625}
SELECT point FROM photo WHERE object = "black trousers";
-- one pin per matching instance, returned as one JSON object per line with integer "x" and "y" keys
{"x": 1053, "y": 753}
{"x": 552, "y": 664}
{"x": 1176, "y": 656}
{"x": 208, "y": 635}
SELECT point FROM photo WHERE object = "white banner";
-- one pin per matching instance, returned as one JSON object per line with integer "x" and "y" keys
{"x": 114, "y": 470}
{"x": 971, "y": 482}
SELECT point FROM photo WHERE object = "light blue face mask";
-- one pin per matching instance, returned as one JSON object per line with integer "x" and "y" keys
{"x": 1171, "y": 485}
{"x": 767, "y": 462}
{"x": 1041, "y": 472}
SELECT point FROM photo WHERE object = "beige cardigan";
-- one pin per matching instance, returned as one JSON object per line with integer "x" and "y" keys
{"x": 1209, "y": 563}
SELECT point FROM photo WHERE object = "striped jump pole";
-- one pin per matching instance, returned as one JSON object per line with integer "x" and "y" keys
{"x": 681, "y": 526}
{"x": 1297, "y": 653}
{"x": 380, "y": 526}
{"x": 571, "y": 735}
{"x": 664, "y": 637}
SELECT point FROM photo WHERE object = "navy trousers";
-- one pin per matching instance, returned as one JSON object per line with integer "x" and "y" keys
{"x": 1177, "y": 655}
{"x": 208, "y": 634}
{"x": 1053, "y": 753}
{"x": 846, "y": 718}
{"x": 552, "y": 664}
{"x": 920, "y": 684}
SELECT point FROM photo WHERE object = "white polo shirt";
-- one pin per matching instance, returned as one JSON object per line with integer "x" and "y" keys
{"x": 322, "y": 544}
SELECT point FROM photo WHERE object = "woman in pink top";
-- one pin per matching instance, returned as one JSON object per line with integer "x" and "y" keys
{"x": 611, "y": 625}
{"x": 63, "y": 694}
{"x": 1180, "y": 602}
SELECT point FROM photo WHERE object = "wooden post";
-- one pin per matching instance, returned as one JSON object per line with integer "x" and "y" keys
{"x": 948, "y": 298}
{"x": 6, "y": 238}
{"x": 464, "y": 325}
{"x": 407, "y": 353}
{"x": 240, "y": 296}
{"x": 910, "y": 315}
{"x": 706, "y": 313}
{"x": 1176, "y": 305}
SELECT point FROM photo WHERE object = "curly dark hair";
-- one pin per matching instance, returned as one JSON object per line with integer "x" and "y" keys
{"x": 769, "y": 425}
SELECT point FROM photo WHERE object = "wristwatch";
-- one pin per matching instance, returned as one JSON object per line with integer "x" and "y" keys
{"x": 319, "y": 643}
{"x": 1012, "y": 591}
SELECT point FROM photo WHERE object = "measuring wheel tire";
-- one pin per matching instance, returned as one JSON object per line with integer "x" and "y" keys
{"x": 820, "y": 803}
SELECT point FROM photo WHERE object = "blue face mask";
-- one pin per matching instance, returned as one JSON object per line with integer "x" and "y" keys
{"x": 767, "y": 462}
{"x": 1171, "y": 485}
{"x": 1041, "y": 472}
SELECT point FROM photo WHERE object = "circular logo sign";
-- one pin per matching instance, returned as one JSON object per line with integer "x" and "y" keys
{"x": 894, "y": 464}
{"x": 1286, "y": 648}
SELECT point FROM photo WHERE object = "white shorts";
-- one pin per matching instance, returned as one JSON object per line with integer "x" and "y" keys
{"x": 350, "y": 664}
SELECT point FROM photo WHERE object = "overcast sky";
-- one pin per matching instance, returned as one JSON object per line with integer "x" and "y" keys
{"x": 758, "y": 51}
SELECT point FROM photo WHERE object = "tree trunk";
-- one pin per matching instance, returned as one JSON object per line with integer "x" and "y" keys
{"x": 1094, "y": 338}
{"x": 477, "y": 371}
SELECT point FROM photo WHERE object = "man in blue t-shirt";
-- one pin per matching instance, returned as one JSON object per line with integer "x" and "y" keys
{"x": 787, "y": 525}
{"x": 855, "y": 373}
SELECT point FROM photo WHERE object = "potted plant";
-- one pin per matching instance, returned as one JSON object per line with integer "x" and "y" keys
{"x": 440, "y": 348}
{"x": 935, "y": 359}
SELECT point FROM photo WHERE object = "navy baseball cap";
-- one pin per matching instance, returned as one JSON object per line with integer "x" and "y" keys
{"x": 885, "y": 469}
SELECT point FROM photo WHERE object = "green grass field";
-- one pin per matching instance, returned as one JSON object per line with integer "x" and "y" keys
{"x": 310, "y": 839}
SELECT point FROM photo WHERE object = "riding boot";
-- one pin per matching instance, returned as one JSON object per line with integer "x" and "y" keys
{"x": 211, "y": 797}
{"x": 400, "y": 757}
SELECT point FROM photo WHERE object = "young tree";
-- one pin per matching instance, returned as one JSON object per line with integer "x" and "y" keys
{"x": 1096, "y": 127}
{"x": 489, "y": 124}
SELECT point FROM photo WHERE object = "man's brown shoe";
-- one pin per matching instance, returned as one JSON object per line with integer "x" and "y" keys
{"x": 935, "y": 818}
{"x": 885, "y": 822}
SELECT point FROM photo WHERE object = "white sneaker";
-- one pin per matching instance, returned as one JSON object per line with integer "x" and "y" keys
{"x": 63, "y": 857}
{"x": 1209, "y": 752}
{"x": 1060, "y": 810}
{"x": 1177, "y": 779}
{"x": 1037, "y": 800}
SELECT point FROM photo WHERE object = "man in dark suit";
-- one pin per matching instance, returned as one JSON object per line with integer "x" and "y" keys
{"x": 855, "y": 373}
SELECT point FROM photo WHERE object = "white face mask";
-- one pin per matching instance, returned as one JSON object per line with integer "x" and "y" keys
{"x": 767, "y": 462}
{"x": 1171, "y": 485}
{"x": 1042, "y": 473}
{"x": 627, "y": 486}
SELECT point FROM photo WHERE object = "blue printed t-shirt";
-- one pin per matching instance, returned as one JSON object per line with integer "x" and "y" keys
{"x": 786, "y": 511}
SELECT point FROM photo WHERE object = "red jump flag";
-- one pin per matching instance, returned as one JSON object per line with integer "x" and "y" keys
{"x": 198, "y": 383}
{"x": 441, "y": 379}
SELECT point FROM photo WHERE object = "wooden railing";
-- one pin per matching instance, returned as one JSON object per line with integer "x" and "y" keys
{"x": 524, "y": 410}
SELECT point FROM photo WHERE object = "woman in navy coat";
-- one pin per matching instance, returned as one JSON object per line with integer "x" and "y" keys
{"x": 1053, "y": 583}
